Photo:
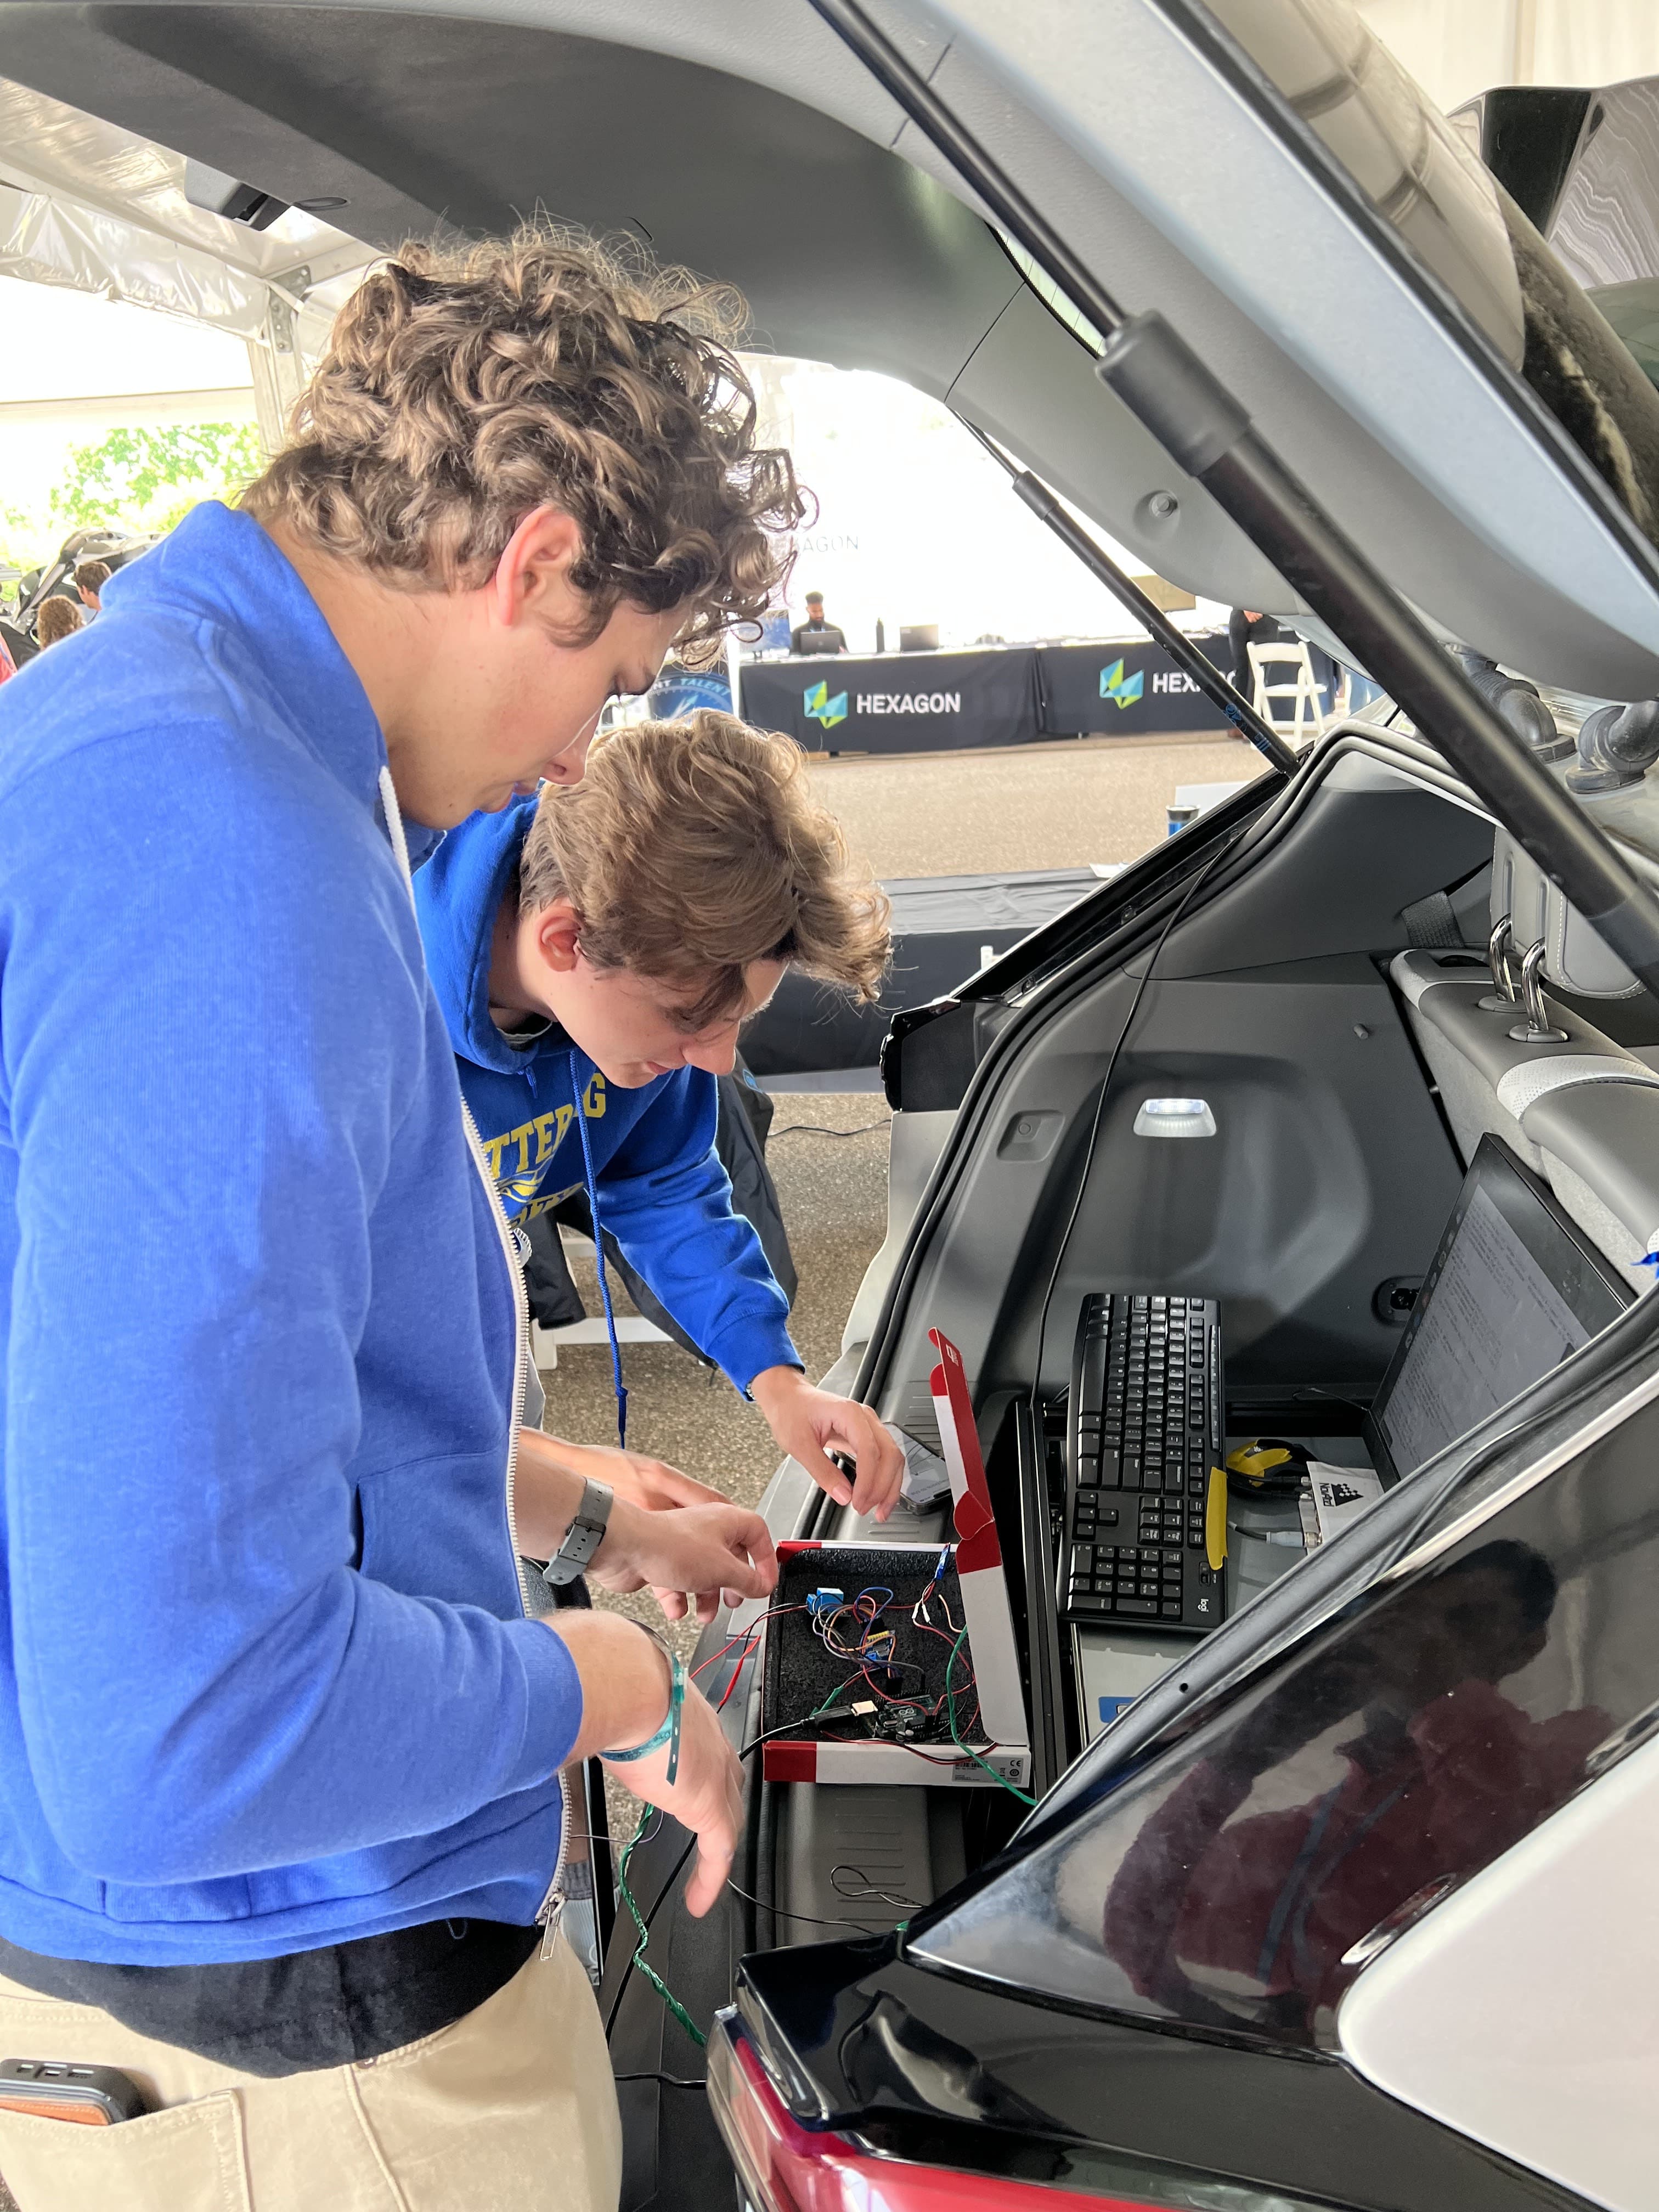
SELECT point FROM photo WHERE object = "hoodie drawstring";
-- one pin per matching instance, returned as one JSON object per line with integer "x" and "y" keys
{"x": 577, "y": 1089}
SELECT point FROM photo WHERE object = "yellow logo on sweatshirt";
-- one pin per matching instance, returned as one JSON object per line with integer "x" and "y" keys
{"x": 517, "y": 1158}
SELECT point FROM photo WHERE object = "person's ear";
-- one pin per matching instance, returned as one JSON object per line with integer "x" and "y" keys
{"x": 533, "y": 574}
{"x": 558, "y": 936}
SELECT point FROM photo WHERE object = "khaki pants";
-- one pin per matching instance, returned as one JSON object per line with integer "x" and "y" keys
{"x": 511, "y": 2109}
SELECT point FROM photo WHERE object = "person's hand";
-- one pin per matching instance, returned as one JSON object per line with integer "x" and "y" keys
{"x": 651, "y": 1482}
{"x": 625, "y": 1684}
{"x": 809, "y": 1424}
{"x": 705, "y": 1796}
{"x": 707, "y": 1554}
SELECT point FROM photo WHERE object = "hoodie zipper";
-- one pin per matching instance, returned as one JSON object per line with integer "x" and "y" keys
{"x": 551, "y": 1907}
{"x": 547, "y": 1913}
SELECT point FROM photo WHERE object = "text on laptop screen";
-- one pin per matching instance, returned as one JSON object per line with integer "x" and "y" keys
{"x": 1514, "y": 1290}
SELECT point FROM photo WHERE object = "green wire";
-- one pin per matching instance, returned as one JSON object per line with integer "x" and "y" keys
{"x": 950, "y": 1713}
{"x": 640, "y": 1962}
{"x": 835, "y": 1693}
{"x": 641, "y": 1965}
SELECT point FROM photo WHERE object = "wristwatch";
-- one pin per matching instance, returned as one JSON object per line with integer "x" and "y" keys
{"x": 583, "y": 1537}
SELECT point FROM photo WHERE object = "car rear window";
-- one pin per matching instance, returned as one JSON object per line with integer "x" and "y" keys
{"x": 1242, "y": 1877}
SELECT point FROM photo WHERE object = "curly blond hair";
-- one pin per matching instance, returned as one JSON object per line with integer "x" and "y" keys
{"x": 690, "y": 849}
{"x": 465, "y": 387}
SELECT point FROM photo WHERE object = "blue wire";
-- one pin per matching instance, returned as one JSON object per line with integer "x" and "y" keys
{"x": 598, "y": 1255}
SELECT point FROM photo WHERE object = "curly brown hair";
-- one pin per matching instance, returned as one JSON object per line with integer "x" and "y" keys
{"x": 465, "y": 387}
{"x": 690, "y": 849}
{"x": 58, "y": 618}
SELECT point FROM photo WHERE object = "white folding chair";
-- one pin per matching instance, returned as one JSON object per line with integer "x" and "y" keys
{"x": 1307, "y": 715}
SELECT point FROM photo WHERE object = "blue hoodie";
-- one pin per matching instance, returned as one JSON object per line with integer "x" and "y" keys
{"x": 661, "y": 1190}
{"x": 265, "y": 1682}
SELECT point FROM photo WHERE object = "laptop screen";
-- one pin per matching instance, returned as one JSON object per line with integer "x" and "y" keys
{"x": 1515, "y": 1287}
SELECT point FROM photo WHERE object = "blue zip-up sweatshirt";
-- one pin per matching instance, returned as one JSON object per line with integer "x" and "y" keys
{"x": 265, "y": 1683}
{"x": 662, "y": 1190}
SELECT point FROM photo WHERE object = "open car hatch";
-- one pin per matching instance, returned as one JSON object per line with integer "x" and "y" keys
{"x": 1262, "y": 174}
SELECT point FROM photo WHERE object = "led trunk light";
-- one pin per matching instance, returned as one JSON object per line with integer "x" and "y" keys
{"x": 1175, "y": 1117}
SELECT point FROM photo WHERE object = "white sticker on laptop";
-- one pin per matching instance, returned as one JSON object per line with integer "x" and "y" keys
{"x": 1341, "y": 1495}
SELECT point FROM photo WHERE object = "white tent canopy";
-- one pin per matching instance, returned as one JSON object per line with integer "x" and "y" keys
{"x": 1457, "y": 48}
{"x": 87, "y": 206}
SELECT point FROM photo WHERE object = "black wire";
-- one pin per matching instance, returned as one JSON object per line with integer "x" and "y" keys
{"x": 817, "y": 1129}
{"x": 668, "y": 2081}
{"x": 1175, "y": 913}
{"x": 784, "y": 1727}
{"x": 816, "y": 1919}
{"x": 867, "y": 1890}
{"x": 1331, "y": 1397}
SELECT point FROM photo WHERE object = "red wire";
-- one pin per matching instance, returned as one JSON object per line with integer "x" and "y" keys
{"x": 866, "y": 1620}
{"x": 746, "y": 1638}
{"x": 950, "y": 1753}
{"x": 714, "y": 1657}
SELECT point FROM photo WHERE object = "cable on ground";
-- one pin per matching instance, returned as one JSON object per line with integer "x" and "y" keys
{"x": 817, "y": 1129}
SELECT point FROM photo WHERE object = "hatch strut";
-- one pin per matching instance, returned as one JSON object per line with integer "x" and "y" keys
{"x": 1197, "y": 421}
{"x": 1180, "y": 647}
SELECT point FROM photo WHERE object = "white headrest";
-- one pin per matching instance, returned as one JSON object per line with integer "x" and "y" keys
{"x": 1576, "y": 959}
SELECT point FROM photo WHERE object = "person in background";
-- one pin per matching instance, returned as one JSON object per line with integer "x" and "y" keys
{"x": 598, "y": 950}
{"x": 91, "y": 579}
{"x": 57, "y": 618}
{"x": 815, "y": 634}
{"x": 7, "y": 665}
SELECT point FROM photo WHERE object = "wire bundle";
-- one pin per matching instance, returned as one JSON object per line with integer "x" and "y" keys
{"x": 854, "y": 1630}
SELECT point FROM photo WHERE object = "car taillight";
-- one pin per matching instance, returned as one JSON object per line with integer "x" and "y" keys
{"x": 784, "y": 2167}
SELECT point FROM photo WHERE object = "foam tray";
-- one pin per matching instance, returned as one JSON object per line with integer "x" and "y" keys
{"x": 799, "y": 1673}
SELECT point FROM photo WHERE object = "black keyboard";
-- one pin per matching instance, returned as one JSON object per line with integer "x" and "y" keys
{"x": 1145, "y": 1498}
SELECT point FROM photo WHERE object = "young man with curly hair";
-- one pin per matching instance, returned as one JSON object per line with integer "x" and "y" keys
{"x": 596, "y": 953}
{"x": 58, "y": 618}
{"x": 281, "y": 1731}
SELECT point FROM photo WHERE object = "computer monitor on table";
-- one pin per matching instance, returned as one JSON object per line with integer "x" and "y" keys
{"x": 918, "y": 637}
{"x": 1515, "y": 1287}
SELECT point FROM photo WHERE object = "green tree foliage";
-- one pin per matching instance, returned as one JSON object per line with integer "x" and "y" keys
{"x": 150, "y": 478}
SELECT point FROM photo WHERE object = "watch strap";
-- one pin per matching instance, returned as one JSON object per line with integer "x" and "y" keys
{"x": 583, "y": 1537}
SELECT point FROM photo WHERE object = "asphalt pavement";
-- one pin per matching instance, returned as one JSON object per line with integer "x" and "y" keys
{"x": 1063, "y": 805}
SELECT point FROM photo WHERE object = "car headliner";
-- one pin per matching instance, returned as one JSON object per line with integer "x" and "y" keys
{"x": 738, "y": 137}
